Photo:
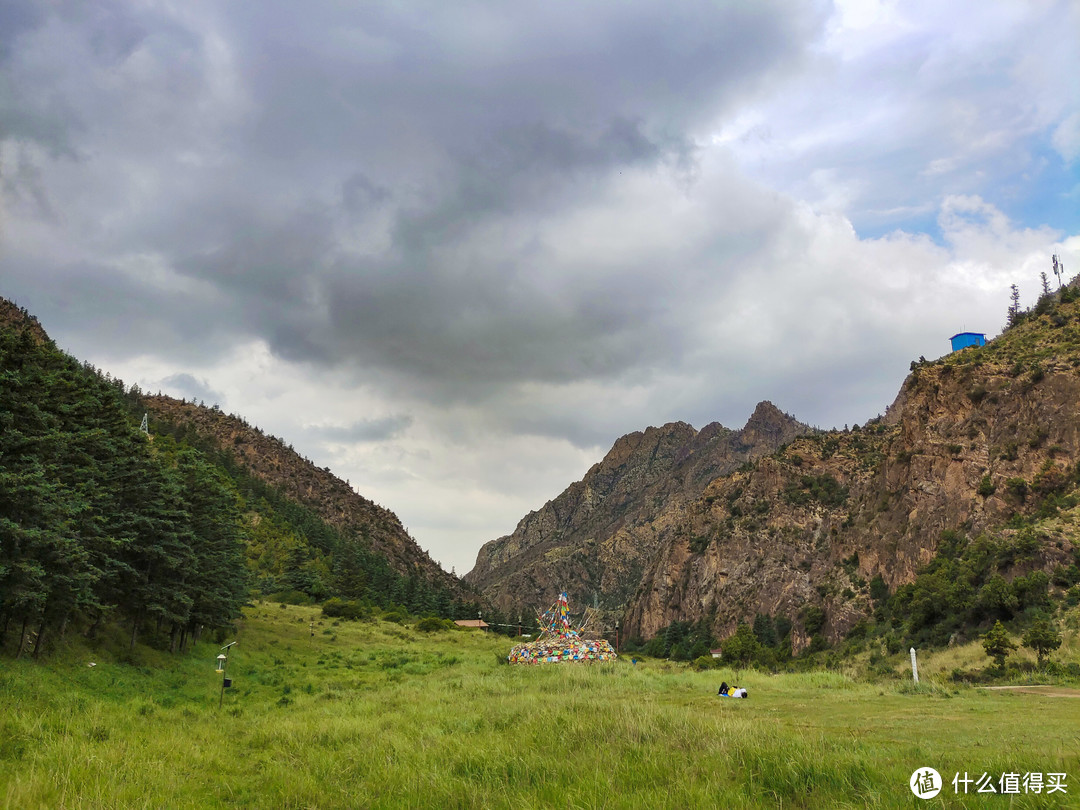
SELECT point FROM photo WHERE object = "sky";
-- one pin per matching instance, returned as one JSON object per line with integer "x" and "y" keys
{"x": 453, "y": 251}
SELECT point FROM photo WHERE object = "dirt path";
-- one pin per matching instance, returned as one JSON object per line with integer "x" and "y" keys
{"x": 1045, "y": 691}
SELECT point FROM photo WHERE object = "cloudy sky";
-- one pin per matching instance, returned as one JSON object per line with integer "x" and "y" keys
{"x": 453, "y": 250}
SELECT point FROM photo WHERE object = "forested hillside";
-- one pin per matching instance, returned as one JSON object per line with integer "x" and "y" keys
{"x": 95, "y": 522}
{"x": 165, "y": 533}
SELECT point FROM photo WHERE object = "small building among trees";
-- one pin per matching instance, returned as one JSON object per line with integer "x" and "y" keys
{"x": 961, "y": 340}
{"x": 476, "y": 624}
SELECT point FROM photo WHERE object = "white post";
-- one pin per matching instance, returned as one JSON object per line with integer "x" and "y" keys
{"x": 914, "y": 666}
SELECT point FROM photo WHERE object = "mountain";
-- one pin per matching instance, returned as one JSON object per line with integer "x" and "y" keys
{"x": 972, "y": 470}
{"x": 297, "y": 479}
{"x": 587, "y": 540}
{"x": 957, "y": 508}
{"x": 15, "y": 318}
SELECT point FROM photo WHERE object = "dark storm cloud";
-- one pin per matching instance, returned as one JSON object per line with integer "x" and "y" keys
{"x": 349, "y": 78}
{"x": 366, "y": 186}
{"x": 432, "y": 127}
{"x": 188, "y": 386}
{"x": 365, "y": 430}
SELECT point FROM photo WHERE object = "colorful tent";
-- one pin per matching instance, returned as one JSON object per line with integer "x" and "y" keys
{"x": 559, "y": 641}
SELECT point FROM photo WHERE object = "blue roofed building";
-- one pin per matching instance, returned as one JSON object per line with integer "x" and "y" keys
{"x": 961, "y": 340}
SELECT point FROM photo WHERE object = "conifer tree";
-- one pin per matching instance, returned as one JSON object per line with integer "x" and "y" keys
{"x": 997, "y": 644}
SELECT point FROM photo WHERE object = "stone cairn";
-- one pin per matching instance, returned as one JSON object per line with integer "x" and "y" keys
{"x": 559, "y": 642}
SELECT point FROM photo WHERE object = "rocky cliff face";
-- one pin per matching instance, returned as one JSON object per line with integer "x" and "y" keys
{"x": 270, "y": 460}
{"x": 975, "y": 440}
{"x": 718, "y": 525}
{"x": 589, "y": 540}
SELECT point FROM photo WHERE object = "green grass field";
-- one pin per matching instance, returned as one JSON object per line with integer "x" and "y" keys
{"x": 373, "y": 714}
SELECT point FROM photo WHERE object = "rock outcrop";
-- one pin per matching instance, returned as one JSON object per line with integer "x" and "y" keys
{"x": 586, "y": 541}
{"x": 975, "y": 442}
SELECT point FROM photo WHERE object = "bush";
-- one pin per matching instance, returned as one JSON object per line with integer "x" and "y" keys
{"x": 1018, "y": 487}
{"x": 821, "y": 488}
{"x": 986, "y": 487}
{"x": 290, "y": 598}
{"x": 703, "y": 662}
{"x": 433, "y": 624}
{"x": 344, "y": 609}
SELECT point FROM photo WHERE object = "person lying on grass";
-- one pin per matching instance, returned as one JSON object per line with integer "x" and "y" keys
{"x": 731, "y": 691}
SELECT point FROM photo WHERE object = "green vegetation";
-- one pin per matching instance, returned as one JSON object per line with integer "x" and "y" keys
{"x": 95, "y": 522}
{"x": 296, "y": 556}
{"x": 1042, "y": 637}
{"x": 966, "y": 586}
{"x": 824, "y": 489}
{"x": 99, "y": 523}
{"x": 380, "y": 715}
{"x": 997, "y": 644}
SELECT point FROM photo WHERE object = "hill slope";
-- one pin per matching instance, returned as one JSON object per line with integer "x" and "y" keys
{"x": 101, "y": 523}
{"x": 271, "y": 461}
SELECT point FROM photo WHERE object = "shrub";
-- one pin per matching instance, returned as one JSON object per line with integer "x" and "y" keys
{"x": 879, "y": 591}
{"x": 1066, "y": 577}
{"x": 986, "y": 486}
{"x": 703, "y": 662}
{"x": 813, "y": 619}
{"x": 822, "y": 488}
{"x": 433, "y": 624}
{"x": 344, "y": 609}
{"x": 1018, "y": 487}
{"x": 290, "y": 598}
{"x": 1043, "y": 638}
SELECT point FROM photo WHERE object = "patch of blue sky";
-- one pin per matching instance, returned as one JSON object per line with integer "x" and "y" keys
{"x": 1043, "y": 191}
{"x": 874, "y": 225}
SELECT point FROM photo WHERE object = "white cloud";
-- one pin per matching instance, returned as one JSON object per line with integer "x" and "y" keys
{"x": 1066, "y": 138}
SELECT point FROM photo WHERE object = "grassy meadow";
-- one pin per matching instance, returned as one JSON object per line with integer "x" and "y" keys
{"x": 375, "y": 714}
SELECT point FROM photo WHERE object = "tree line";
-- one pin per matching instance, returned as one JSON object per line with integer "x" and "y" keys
{"x": 100, "y": 524}
{"x": 96, "y": 523}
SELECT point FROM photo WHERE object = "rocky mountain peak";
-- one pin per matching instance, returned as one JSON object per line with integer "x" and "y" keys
{"x": 769, "y": 425}
{"x": 577, "y": 541}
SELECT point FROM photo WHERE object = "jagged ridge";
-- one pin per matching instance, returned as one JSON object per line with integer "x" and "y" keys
{"x": 578, "y": 541}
